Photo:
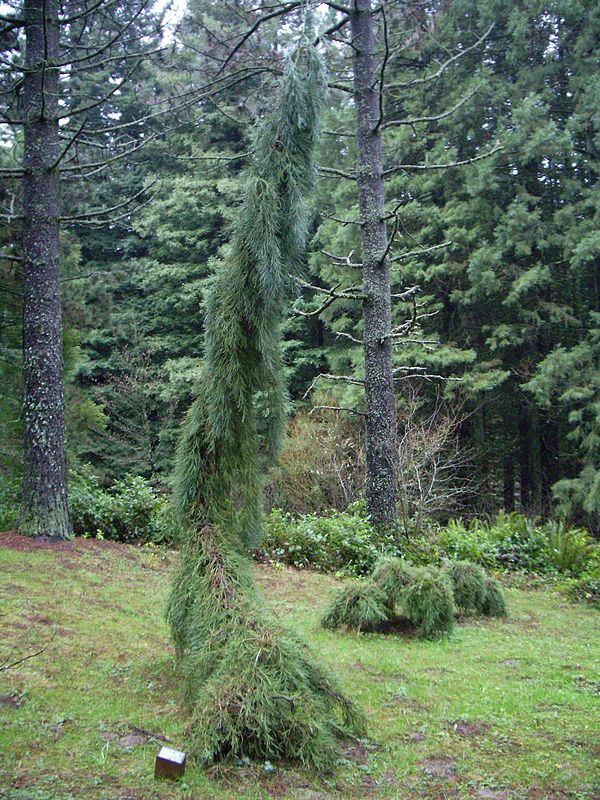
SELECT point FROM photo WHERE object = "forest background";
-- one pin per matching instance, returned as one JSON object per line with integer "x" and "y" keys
{"x": 498, "y": 384}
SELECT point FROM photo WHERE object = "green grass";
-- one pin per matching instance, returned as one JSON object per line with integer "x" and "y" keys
{"x": 501, "y": 709}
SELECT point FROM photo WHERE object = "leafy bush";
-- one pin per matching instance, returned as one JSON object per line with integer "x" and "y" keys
{"x": 471, "y": 542}
{"x": 571, "y": 548}
{"x": 468, "y": 586}
{"x": 359, "y": 605}
{"x": 321, "y": 465}
{"x": 521, "y": 543}
{"x": 584, "y": 590}
{"x": 428, "y": 603}
{"x": 340, "y": 542}
{"x": 9, "y": 502}
{"x": 129, "y": 511}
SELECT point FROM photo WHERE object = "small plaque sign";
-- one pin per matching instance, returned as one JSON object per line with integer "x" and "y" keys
{"x": 169, "y": 763}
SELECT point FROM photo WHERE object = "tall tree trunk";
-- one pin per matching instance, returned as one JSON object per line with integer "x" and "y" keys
{"x": 44, "y": 508}
{"x": 524, "y": 462}
{"x": 550, "y": 462}
{"x": 380, "y": 421}
{"x": 508, "y": 478}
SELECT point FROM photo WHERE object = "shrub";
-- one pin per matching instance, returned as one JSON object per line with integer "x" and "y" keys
{"x": 428, "y": 603}
{"x": 468, "y": 586}
{"x": 130, "y": 511}
{"x": 9, "y": 502}
{"x": 494, "y": 604}
{"x": 521, "y": 543}
{"x": 392, "y": 576}
{"x": 340, "y": 542}
{"x": 585, "y": 590}
{"x": 359, "y": 605}
{"x": 472, "y": 542}
{"x": 320, "y": 466}
{"x": 570, "y": 548}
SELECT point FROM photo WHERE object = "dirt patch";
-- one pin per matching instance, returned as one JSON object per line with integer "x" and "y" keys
{"x": 40, "y": 618}
{"x": 510, "y": 662}
{"x": 369, "y": 784}
{"x": 439, "y": 766}
{"x": 355, "y": 751}
{"x": 405, "y": 703}
{"x": 413, "y": 736}
{"x": 437, "y": 670}
{"x": 275, "y": 785}
{"x": 377, "y": 675}
{"x": 583, "y": 684}
{"x": 491, "y": 794}
{"x": 134, "y": 737}
{"x": 12, "y": 700}
{"x": 12, "y": 540}
{"x": 464, "y": 727}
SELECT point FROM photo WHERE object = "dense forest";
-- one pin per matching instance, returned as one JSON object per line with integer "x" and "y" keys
{"x": 494, "y": 277}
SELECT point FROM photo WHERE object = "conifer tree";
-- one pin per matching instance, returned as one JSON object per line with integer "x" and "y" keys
{"x": 251, "y": 687}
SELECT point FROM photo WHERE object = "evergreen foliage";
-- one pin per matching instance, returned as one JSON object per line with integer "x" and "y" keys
{"x": 468, "y": 586}
{"x": 392, "y": 576}
{"x": 494, "y": 604}
{"x": 428, "y": 597}
{"x": 359, "y": 605}
{"x": 251, "y": 687}
{"x": 428, "y": 603}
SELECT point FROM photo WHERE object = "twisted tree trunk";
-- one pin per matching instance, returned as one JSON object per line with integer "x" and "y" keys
{"x": 44, "y": 508}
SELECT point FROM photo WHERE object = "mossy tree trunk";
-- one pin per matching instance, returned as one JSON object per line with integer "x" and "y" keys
{"x": 380, "y": 414}
{"x": 44, "y": 508}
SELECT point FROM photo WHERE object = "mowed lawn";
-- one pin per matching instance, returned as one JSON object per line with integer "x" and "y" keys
{"x": 502, "y": 709}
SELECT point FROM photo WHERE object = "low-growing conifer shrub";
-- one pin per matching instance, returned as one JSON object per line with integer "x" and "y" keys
{"x": 428, "y": 603}
{"x": 495, "y": 603}
{"x": 468, "y": 586}
{"x": 357, "y": 605}
{"x": 392, "y": 576}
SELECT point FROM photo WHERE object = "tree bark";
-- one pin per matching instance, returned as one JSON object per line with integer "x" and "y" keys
{"x": 44, "y": 510}
{"x": 508, "y": 473}
{"x": 380, "y": 420}
{"x": 524, "y": 462}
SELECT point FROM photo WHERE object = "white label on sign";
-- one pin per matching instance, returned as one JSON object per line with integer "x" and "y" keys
{"x": 171, "y": 755}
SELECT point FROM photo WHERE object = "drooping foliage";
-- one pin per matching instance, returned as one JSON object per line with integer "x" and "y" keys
{"x": 494, "y": 604}
{"x": 361, "y": 606}
{"x": 427, "y": 597}
{"x": 392, "y": 576}
{"x": 428, "y": 603}
{"x": 251, "y": 687}
{"x": 468, "y": 586}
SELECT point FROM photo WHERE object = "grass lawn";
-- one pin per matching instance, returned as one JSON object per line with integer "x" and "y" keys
{"x": 502, "y": 709}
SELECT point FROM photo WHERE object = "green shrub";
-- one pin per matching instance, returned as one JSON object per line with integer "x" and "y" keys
{"x": 494, "y": 604}
{"x": 570, "y": 548}
{"x": 392, "y": 576}
{"x": 9, "y": 502}
{"x": 584, "y": 590}
{"x": 339, "y": 542}
{"x": 428, "y": 603}
{"x": 358, "y": 605}
{"x": 130, "y": 511}
{"x": 521, "y": 543}
{"x": 473, "y": 542}
{"x": 468, "y": 586}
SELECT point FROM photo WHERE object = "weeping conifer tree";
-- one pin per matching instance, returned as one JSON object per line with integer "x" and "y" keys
{"x": 252, "y": 687}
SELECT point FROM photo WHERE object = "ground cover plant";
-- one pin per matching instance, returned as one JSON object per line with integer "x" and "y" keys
{"x": 427, "y": 597}
{"x": 498, "y": 710}
{"x": 346, "y": 542}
